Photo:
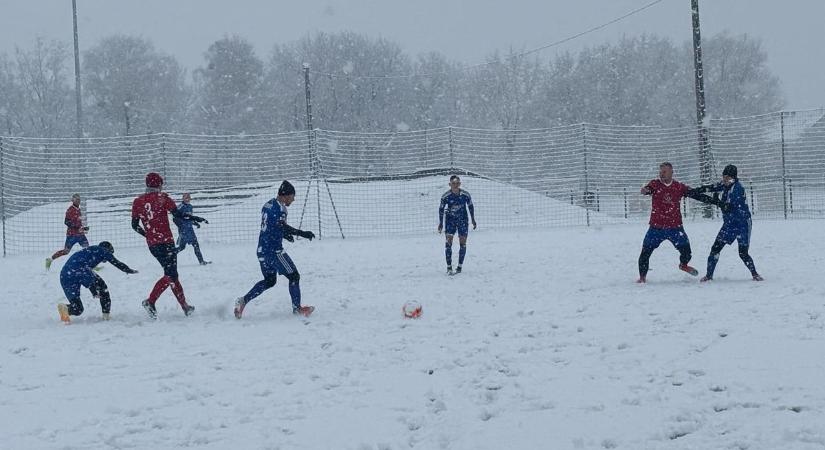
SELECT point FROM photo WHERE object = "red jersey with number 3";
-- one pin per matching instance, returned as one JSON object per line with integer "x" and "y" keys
{"x": 153, "y": 210}
{"x": 665, "y": 212}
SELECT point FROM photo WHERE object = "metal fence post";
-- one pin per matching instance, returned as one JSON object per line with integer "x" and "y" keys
{"x": 784, "y": 173}
{"x": 624, "y": 191}
{"x": 163, "y": 153}
{"x": 3, "y": 195}
{"x": 452, "y": 152}
{"x": 586, "y": 178}
{"x": 790, "y": 196}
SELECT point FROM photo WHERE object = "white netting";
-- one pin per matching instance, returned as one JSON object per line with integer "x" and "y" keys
{"x": 363, "y": 184}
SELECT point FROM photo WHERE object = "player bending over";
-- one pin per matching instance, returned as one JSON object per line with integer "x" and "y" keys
{"x": 78, "y": 271}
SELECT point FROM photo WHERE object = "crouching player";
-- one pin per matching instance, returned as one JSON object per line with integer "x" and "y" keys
{"x": 78, "y": 271}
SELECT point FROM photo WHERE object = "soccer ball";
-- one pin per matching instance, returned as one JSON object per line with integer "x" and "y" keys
{"x": 412, "y": 309}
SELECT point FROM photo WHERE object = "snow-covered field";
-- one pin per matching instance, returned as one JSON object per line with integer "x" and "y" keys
{"x": 544, "y": 342}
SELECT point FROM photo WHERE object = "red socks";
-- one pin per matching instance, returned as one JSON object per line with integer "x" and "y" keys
{"x": 161, "y": 286}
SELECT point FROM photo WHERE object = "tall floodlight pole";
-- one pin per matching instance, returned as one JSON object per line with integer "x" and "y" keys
{"x": 699, "y": 85}
{"x": 79, "y": 126}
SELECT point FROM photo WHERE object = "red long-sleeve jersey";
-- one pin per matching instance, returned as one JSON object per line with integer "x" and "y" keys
{"x": 74, "y": 221}
{"x": 153, "y": 210}
{"x": 665, "y": 211}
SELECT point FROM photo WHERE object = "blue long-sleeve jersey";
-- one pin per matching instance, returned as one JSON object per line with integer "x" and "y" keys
{"x": 185, "y": 224}
{"x": 89, "y": 258}
{"x": 273, "y": 217}
{"x": 733, "y": 195}
{"x": 455, "y": 206}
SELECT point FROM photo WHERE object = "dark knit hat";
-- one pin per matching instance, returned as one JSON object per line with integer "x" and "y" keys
{"x": 286, "y": 188}
{"x": 730, "y": 170}
{"x": 107, "y": 246}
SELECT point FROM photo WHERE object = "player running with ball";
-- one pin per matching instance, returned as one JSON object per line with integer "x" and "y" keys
{"x": 271, "y": 255}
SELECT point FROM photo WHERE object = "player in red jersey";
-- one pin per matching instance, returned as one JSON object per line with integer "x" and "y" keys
{"x": 666, "y": 220}
{"x": 151, "y": 211}
{"x": 75, "y": 230}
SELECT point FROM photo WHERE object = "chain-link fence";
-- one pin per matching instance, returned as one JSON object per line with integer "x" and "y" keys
{"x": 365, "y": 184}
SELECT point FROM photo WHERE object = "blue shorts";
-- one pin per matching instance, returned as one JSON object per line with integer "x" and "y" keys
{"x": 279, "y": 263}
{"x": 735, "y": 232}
{"x": 72, "y": 279}
{"x": 79, "y": 239}
{"x": 187, "y": 237}
{"x": 656, "y": 236}
{"x": 451, "y": 226}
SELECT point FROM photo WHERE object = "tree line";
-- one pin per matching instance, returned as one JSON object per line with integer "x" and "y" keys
{"x": 361, "y": 83}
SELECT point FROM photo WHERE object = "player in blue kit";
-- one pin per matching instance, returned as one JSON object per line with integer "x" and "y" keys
{"x": 186, "y": 230}
{"x": 271, "y": 255}
{"x": 452, "y": 219}
{"x": 78, "y": 271}
{"x": 736, "y": 217}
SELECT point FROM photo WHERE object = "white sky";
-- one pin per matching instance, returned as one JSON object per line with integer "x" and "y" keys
{"x": 464, "y": 30}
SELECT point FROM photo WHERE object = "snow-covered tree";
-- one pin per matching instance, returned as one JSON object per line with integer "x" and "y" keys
{"x": 126, "y": 75}
{"x": 46, "y": 107}
{"x": 230, "y": 95}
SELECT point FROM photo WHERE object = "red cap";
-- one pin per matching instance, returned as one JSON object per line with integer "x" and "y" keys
{"x": 154, "y": 180}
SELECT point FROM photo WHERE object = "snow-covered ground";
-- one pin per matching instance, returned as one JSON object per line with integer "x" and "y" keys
{"x": 544, "y": 342}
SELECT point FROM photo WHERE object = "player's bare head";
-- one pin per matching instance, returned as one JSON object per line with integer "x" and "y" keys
{"x": 666, "y": 171}
{"x": 455, "y": 181}
{"x": 286, "y": 193}
{"x": 76, "y": 199}
{"x": 187, "y": 197}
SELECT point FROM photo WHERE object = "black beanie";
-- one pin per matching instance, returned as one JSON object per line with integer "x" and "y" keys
{"x": 286, "y": 188}
{"x": 730, "y": 170}
{"x": 107, "y": 246}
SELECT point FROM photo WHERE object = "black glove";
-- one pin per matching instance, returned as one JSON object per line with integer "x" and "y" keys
{"x": 307, "y": 234}
{"x": 85, "y": 228}
{"x": 289, "y": 237}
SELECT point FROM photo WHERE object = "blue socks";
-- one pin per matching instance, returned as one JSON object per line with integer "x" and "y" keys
{"x": 295, "y": 293}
